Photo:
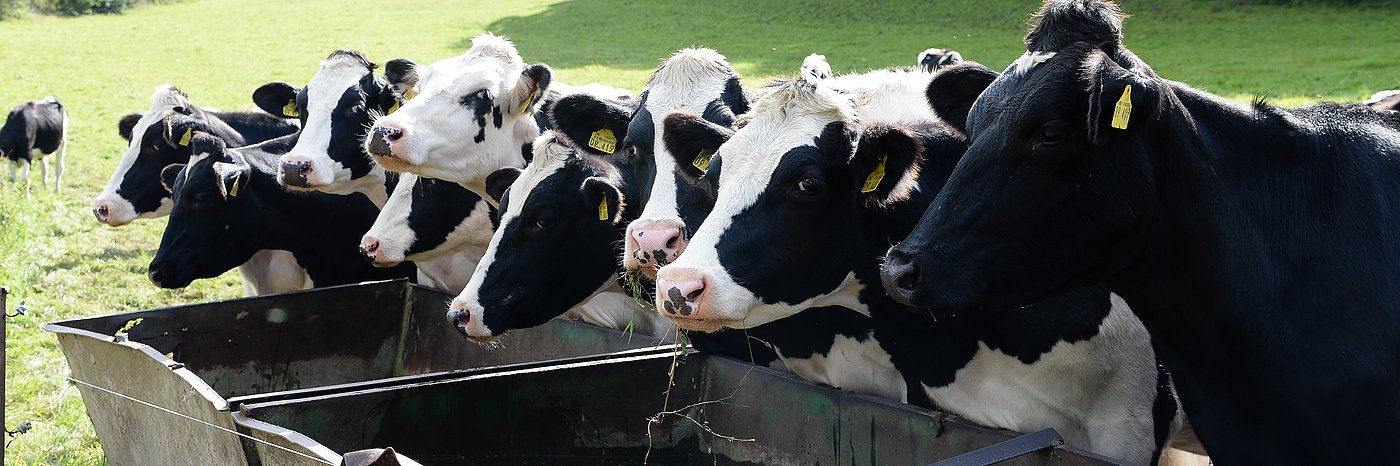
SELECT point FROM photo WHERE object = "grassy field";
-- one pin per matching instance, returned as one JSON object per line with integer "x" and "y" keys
{"x": 62, "y": 263}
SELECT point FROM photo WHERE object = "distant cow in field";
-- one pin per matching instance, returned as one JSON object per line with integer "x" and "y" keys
{"x": 935, "y": 59}
{"x": 40, "y": 126}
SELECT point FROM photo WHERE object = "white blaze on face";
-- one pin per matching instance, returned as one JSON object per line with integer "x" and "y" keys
{"x": 790, "y": 116}
{"x": 550, "y": 156}
{"x": 691, "y": 79}
{"x": 439, "y": 132}
{"x": 120, "y": 211}
{"x": 336, "y": 75}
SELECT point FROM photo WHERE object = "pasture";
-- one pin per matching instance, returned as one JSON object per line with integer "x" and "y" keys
{"x": 62, "y": 263}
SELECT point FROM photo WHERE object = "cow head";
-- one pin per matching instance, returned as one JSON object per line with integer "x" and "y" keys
{"x": 426, "y": 219}
{"x": 935, "y": 59}
{"x": 561, "y": 222}
{"x": 785, "y": 223}
{"x": 158, "y": 138}
{"x": 215, "y": 208}
{"x": 335, "y": 109}
{"x": 701, "y": 81}
{"x": 1056, "y": 186}
{"x": 463, "y": 117}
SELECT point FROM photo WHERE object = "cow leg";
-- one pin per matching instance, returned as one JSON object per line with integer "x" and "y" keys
{"x": 62, "y": 154}
{"x": 43, "y": 168}
{"x": 14, "y": 165}
{"x": 24, "y": 174}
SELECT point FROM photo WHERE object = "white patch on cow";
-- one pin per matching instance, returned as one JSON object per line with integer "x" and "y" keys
{"x": 550, "y": 156}
{"x": 887, "y": 96}
{"x": 273, "y": 271}
{"x": 610, "y": 307}
{"x": 439, "y": 132}
{"x": 451, "y": 272}
{"x": 1026, "y": 61}
{"x": 816, "y": 66}
{"x": 852, "y": 365}
{"x": 335, "y": 75}
{"x": 690, "y": 79}
{"x": 120, "y": 210}
{"x": 1091, "y": 392}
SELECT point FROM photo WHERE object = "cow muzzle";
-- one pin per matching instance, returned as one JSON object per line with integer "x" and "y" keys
{"x": 296, "y": 173}
{"x": 687, "y": 298}
{"x": 382, "y": 139}
{"x": 653, "y": 244}
{"x": 461, "y": 317}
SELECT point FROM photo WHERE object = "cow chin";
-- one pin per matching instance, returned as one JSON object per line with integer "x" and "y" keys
{"x": 393, "y": 163}
{"x": 700, "y": 325}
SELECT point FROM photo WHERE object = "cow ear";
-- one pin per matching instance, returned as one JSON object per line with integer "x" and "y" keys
{"x": 277, "y": 98}
{"x": 402, "y": 74}
{"x": 692, "y": 141}
{"x": 499, "y": 181}
{"x": 886, "y": 164}
{"x": 180, "y": 131}
{"x": 953, "y": 91}
{"x": 594, "y": 125}
{"x": 127, "y": 124}
{"x": 529, "y": 89}
{"x": 1119, "y": 99}
{"x": 169, "y": 174}
{"x": 602, "y": 195}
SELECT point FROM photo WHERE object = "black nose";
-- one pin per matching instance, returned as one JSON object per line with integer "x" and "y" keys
{"x": 295, "y": 173}
{"x": 156, "y": 275}
{"x": 901, "y": 276}
{"x": 380, "y": 137}
{"x": 459, "y": 319}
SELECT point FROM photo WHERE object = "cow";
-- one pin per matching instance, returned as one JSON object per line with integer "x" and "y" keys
{"x": 934, "y": 59}
{"x": 816, "y": 66}
{"x": 135, "y": 189}
{"x": 35, "y": 130}
{"x": 335, "y": 109}
{"x": 808, "y": 184}
{"x": 464, "y": 117}
{"x": 228, "y": 205}
{"x": 697, "y": 79}
{"x": 431, "y": 222}
{"x": 154, "y": 141}
{"x": 1384, "y": 100}
{"x": 1257, "y": 244}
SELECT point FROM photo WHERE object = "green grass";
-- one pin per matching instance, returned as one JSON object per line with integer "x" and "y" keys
{"x": 64, "y": 264}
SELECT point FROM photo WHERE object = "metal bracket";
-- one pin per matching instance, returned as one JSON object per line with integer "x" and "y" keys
{"x": 996, "y": 453}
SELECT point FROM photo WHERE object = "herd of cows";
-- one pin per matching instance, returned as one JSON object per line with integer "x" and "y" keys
{"x": 1072, "y": 243}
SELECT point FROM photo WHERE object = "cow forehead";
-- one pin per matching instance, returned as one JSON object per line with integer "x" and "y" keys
{"x": 550, "y": 157}
{"x": 464, "y": 73}
{"x": 755, "y": 151}
{"x": 330, "y": 82}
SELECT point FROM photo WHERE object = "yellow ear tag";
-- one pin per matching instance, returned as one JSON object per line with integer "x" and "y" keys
{"x": 409, "y": 94}
{"x": 394, "y": 108}
{"x": 290, "y": 110}
{"x": 526, "y": 106}
{"x": 873, "y": 181}
{"x": 234, "y": 192}
{"x": 603, "y": 140}
{"x": 702, "y": 161}
{"x": 603, "y": 209}
{"x": 185, "y": 140}
{"x": 1123, "y": 109}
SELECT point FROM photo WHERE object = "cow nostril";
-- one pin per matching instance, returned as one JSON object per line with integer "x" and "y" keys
{"x": 304, "y": 168}
{"x": 674, "y": 242}
{"x": 694, "y": 295}
{"x": 101, "y": 213}
{"x": 909, "y": 280}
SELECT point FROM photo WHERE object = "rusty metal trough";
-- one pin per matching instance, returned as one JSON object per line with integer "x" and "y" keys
{"x": 306, "y": 377}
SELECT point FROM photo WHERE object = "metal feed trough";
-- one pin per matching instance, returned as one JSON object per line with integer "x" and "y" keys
{"x": 308, "y": 376}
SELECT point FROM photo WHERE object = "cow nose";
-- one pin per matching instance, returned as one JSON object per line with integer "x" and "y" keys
{"x": 370, "y": 248}
{"x": 101, "y": 212}
{"x": 459, "y": 318}
{"x": 381, "y": 139}
{"x": 901, "y": 277}
{"x": 680, "y": 297}
{"x": 297, "y": 173}
{"x": 156, "y": 275}
{"x": 658, "y": 246}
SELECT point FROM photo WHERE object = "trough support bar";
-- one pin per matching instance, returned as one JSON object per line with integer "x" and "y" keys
{"x": 1016, "y": 447}
{"x": 4, "y": 320}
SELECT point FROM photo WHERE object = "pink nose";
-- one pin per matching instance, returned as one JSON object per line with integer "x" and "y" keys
{"x": 680, "y": 297}
{"x": 102, "y": 212}
{"x": 657, "y": 246}
{"x": 370, "y": 248}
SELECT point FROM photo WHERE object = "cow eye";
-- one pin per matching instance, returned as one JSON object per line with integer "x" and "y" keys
{"x": 809, "y": 186}
{"x": 544, "y": 222}
{"x": 482, "y": 95}
{"x": 1049, "y": 136}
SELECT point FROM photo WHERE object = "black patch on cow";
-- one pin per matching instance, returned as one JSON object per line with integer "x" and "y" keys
{"x": 640, "y": 144}
{"x": 126, "y": 124}
{"x": 1059, "y": 24}
{"x": 579, "y": 116}
{"x": 437, "y": 209}
{"x": 527, "y": 151}
{"x": 735, "y": 97}
{"x": 495, "y": 117}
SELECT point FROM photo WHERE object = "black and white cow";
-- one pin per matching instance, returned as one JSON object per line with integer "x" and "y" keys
{"x": 335, "y": 109}
{"x": 427, "y": 219}
{"x": 35, "y": 130}
{"x": 808, "y": 196}
{"x": 934, "y": 59}
{"x": 1384, "y": 100}
{"x": 229, "y": 205}
{"x": 702, "y": 81}
{"x": 155, "y": 141}
{"x": 1258, "y": 245}
{"x": 468, "y": 115}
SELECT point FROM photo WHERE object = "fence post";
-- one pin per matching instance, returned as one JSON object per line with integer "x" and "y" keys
{"x": 4, "y": 312}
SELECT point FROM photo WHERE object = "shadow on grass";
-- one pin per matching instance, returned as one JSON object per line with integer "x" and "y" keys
{"x": 768, "y": 38}
{"x": 89, "y": 257}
